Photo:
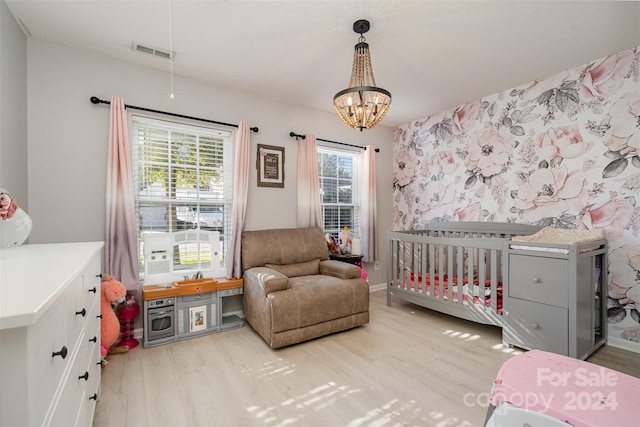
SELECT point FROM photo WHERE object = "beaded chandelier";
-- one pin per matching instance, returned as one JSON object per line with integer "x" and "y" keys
{"x": 362, "y": 105}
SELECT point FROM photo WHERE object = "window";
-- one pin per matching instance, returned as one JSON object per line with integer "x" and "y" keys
{"x": 339, "y": 189}
{"x": 183, "y": 182}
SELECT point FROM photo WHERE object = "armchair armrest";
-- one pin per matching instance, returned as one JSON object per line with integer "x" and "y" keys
{"x": 266, "y": 279}
{"x": 339, "y": 269}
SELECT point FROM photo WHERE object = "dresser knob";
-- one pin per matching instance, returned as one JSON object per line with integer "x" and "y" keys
{"x": 99, "y": 316}
{"x": 94, "y": 397}
{"x": 94, "y": 339}
{"x": 84, "y": 377}
{"x": 99, "y": 275}
{"x": 536, "y": 280}
{"x": 62, "y": 353}
{"x": 535, "y": 326}
{"x": 94, "y": 290}
{"x": 82, "y": 312}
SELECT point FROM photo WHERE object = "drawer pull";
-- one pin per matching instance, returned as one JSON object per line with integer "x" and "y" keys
{"x": 82, "y": 312}
{"x": 84, "y": 377}
{"x": 94, "y": 397}
{"x": 94, "y": 339}
{"x": 99, "y": 316}
{"x": 62, "y": 353}
{"x": 94, "y": 290}
{"x": 535, "y": 326}
{"x": 99, "y": 275}
{"x": 536, "y": 280}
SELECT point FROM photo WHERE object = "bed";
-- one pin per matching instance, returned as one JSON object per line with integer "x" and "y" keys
{"x": 543, "y": 286}
{"x": 452, "y": 267}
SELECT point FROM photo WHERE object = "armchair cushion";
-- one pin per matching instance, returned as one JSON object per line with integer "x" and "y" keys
{"x": 268, "y": 279}
{"x": 299, "y": 269}
{"x": 339, "y": 269}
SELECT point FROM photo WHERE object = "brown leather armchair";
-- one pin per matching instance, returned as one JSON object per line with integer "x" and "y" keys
{"x": 293, "y": 292}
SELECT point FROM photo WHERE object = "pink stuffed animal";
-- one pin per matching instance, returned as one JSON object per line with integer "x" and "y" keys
{"x": 112, "y": 291}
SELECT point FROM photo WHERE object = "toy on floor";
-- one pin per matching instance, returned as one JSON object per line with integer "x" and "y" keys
{"x": 112, "y": 292}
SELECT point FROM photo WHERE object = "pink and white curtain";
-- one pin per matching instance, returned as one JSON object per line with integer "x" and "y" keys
{"x": 309, "y": 205}
{"x": 369, "y": 210}
{"x": 241, "y": 156}
{"x": 121, "y": 247}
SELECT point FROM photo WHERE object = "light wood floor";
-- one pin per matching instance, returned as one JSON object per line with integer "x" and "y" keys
{"x": 408, "y": 366}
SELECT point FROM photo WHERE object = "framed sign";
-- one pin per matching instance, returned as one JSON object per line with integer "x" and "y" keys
{"x": 270, "y": 164}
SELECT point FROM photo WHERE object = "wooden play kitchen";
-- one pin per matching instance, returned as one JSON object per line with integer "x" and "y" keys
{"x": 191, "y": 308}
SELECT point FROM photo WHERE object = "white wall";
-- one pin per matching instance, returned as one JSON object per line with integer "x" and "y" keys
{"x": 13, "y": 108}
{"x": 68, "y": 140}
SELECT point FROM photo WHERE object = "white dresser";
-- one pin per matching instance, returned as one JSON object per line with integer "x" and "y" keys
{"x": 50, "y": 334}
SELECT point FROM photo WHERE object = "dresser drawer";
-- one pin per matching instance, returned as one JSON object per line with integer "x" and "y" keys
{"x": 83, "y": 378}
{"x": 90, "y": 396}
{"x": 47, "y": 337}
{"x": 539, "y": 279}
{"x": 532, "y": 325}
{"x": 77, "y": 313}
{"x": 67, "y": 410}
{"x": 91, "y": 281}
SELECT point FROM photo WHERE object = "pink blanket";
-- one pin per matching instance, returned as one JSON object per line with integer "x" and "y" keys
{"x": 420, "y": 284}
{"x": 577, "y": 392}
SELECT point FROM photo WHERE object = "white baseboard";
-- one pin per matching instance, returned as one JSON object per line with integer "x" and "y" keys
{"x": 624, "y": 344}
{"x": 378, "y": 287}
{"x": 138, "y": 333}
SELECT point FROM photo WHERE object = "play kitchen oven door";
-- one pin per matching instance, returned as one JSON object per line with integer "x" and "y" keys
{"x": 160, "y": 321}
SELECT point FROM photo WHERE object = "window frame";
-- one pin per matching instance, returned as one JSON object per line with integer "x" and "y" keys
{"x": 191, "y": 197}
{"x": 355, "y": 204}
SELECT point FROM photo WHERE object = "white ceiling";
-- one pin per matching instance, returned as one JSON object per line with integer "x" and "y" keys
{"x": 431, "y": 55}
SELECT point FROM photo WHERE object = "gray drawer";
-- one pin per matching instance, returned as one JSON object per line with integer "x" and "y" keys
{"x": 531, "y": 325}
{"x": 206, "y": 297}
{"x": 229, "y": 292}
{"x": 539, "y": 279}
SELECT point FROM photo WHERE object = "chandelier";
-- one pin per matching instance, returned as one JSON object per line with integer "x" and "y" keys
{"x": 362, "y": 105}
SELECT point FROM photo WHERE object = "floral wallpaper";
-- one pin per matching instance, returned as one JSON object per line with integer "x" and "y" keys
{"x": 562, "y": 151}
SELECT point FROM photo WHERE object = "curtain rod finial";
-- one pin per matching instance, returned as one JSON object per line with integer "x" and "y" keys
{"x": 296, "y": 136}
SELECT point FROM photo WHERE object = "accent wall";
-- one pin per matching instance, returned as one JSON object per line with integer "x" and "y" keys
{"x": 562, "y": 151}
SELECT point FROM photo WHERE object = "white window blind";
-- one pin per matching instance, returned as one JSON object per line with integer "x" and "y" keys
{"x": 183, "y": 181}
{"x": 339, "y": 172}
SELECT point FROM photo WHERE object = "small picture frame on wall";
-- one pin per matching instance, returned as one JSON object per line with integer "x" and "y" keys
{"x": 270, "y": 165}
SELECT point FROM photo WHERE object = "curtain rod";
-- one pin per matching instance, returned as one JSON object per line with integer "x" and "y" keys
{"x": 296, "y": 136}
{"x": 96, "y": 100}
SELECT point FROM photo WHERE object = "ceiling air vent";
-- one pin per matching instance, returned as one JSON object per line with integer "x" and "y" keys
{"x": 161, "y": 53}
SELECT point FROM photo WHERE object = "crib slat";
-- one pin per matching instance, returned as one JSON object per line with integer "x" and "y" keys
{"x": 495, "y": 258}
{"x": 482, "y": 277}
{"x": 424, "y": 247}
{"x": 471, "y": 287}
{"x": 460, "y": 273}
